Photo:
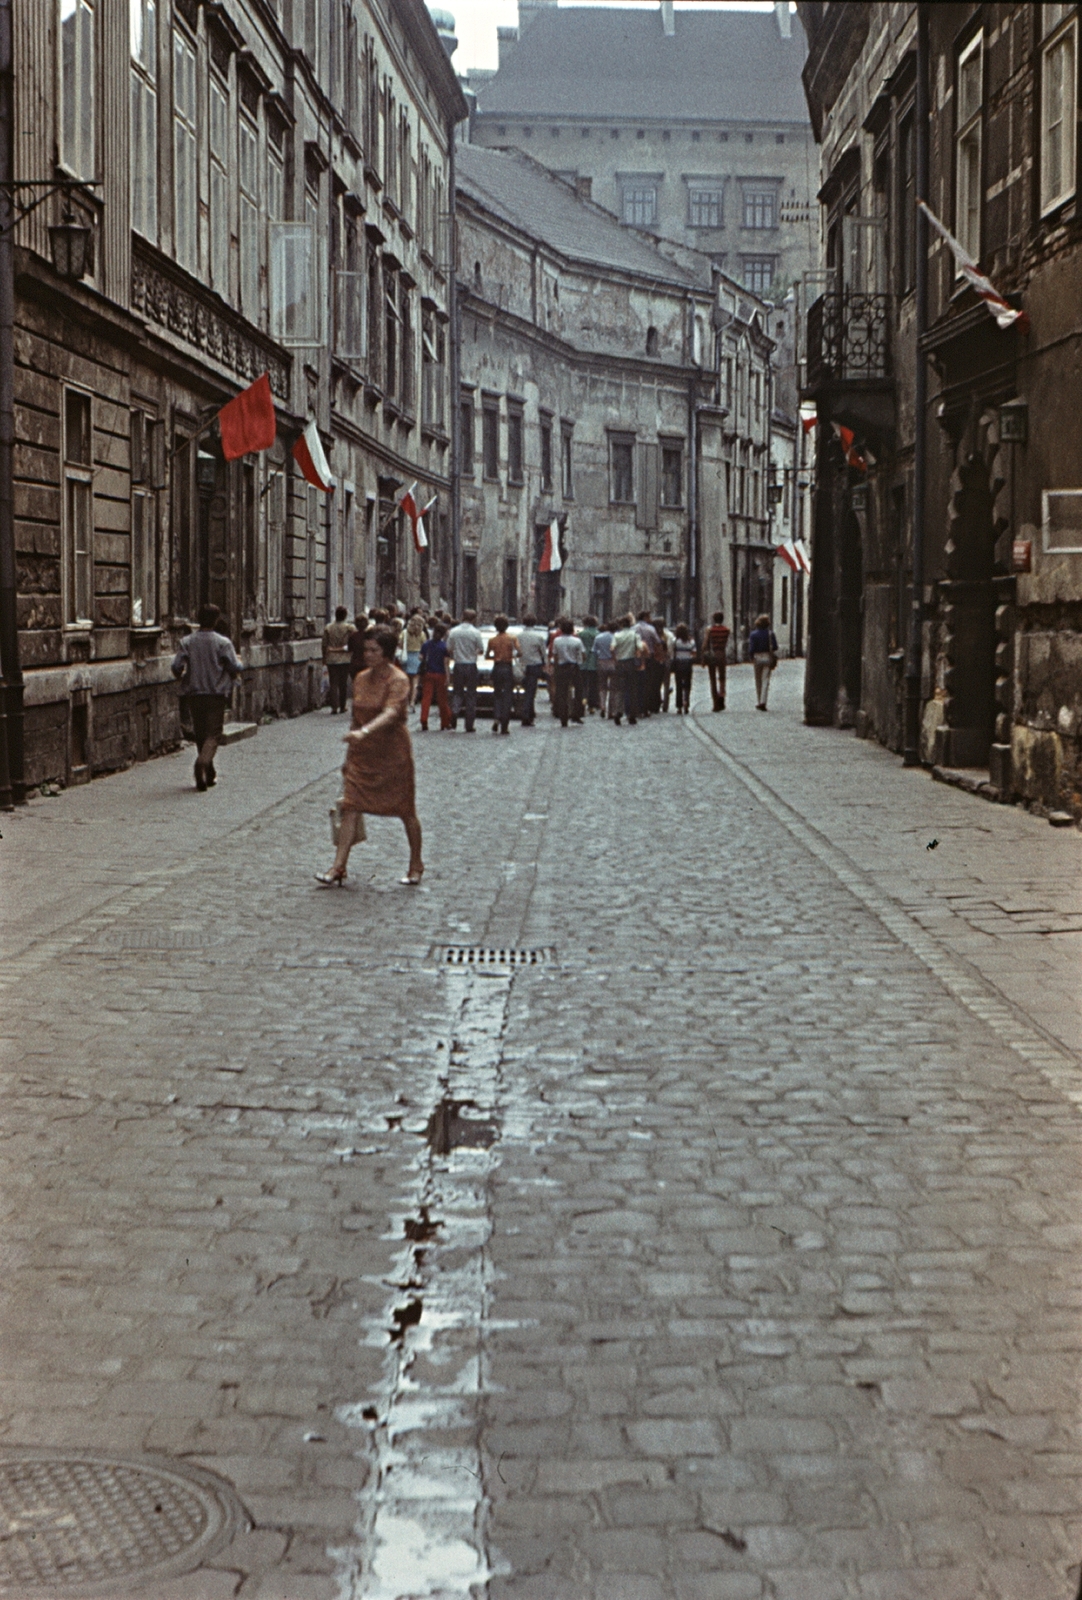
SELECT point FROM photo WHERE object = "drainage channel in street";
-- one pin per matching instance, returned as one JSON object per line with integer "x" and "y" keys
{"x": 423, "y": 1528}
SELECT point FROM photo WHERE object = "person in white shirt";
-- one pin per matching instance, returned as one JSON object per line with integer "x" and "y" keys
{"x": 567, "y": 656}
{"x": 464, "y": 645}
{"x": 606, "y": 670}
{"x": 533, "y": 648}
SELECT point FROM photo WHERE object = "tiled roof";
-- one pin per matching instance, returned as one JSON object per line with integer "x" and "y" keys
{"x": 717, "y": 66}
{"x": 523, "y": 193}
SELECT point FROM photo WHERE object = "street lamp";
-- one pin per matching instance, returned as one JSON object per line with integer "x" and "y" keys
{"x": 69, "y": 242}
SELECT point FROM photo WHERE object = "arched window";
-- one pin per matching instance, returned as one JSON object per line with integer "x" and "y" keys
{"x": 651, "y": 341}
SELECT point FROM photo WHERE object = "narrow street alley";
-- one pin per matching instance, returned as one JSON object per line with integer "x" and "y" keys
{"x": 676, "y": 1198}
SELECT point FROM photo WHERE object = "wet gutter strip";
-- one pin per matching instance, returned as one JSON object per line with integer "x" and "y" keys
{"x": 423, "y": 1528}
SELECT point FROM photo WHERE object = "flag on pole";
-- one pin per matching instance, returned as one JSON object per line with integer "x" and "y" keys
{"x": 247, "y": 421}
{"x": 551, "y": 560}
{"x": 808, "y": 423}
{"x": 1004, "y": 314}
{"x": 802, "y": 556}
{"x": 788, "y": 554}
{"x": 308, "y": 454}
{"x": 420, "y": 537}
{"x": 860, "y": 459}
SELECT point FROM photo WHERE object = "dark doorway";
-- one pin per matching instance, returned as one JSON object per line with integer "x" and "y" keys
{"x": 469, "y": 580}
{"x": 601, "y": 599}
{"x": 510, "y": 586}
{"x": 387, "y": 555}
{"x": 753, "y": 590}
{"x": 670, "y": 602}
{"x": 968, "y": 601}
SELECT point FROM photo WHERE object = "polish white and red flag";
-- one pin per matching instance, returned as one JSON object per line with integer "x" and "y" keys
{"x": 308, "y": 454}
{"x": 1005, "y": 314}
{"x": 551, "y": 560}
{"x": 802, "y": 556}
{"x": 420, "y": 536}
{"x": 787, "y": 551}
{"x": 860, "y": 459}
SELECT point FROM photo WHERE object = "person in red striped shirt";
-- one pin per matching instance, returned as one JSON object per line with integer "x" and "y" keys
{"x": 715, "y": 652}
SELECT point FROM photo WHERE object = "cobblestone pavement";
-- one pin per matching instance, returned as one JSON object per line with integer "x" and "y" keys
{"x": 732, "y": 1254}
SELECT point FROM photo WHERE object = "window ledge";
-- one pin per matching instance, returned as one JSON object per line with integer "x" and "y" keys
{"x": 429, "y": 430}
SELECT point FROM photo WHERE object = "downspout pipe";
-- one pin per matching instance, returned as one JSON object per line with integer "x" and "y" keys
{"x": 12, "y": 777}
{"x": 914, "y": 643}
{"x": 693, "y": 510}
{"x": 456, "y": 375}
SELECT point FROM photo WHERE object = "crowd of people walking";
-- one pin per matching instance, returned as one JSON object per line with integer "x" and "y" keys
{"x": 623, "y": 670}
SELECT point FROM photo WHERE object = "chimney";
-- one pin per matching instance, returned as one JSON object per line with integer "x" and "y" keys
{"x": 506, "y": 40}
{"x": 668, "y": 18}
{"x": 785, "y": 20}
{"x": 584, "y": 187}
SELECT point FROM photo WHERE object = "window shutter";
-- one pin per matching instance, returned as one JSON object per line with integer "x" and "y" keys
{"x": 647, "y": 506}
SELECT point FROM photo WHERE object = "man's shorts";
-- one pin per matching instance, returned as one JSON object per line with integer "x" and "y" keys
{"x": 208, "y": 716}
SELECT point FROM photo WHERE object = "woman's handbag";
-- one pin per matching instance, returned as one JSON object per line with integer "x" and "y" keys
{"x": 336, "y": 824}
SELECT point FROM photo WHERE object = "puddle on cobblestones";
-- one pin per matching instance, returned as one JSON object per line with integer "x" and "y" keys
{"x": 423, "y": 1526}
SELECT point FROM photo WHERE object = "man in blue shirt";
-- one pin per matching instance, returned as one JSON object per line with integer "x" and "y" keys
{"x": 207, "y": 664}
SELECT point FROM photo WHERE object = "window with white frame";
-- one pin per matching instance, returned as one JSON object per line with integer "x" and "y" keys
{"x": 760, "y": 207}
{"x": 147, "y": 472}
{"x": 567, "y": 482}
{"x": 969, "y": 128}
{"x": 220, "y": 166}
{"x": 78, "y": 508}
{"x": 276, "y": 528}
{"x": 433, "y": 369}
{"x": 78, "y": 97}
{"x": 758, "y": 273}
{"x": 248, "y": 174}
{"x": 705, "y": 204}
{"x": 144, "y": 117}
{"x": 639, "y": 204}
{"x": 672, "y": 475}
{"x": 622, "y": 469}
{"x": 1059, "y": 64}
{"x": 185, "y": 155}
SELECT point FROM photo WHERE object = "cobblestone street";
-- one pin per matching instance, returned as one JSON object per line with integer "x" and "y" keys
{"x": 727, "y": 1250}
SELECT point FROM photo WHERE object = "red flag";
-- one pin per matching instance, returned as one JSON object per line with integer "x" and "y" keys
{"x": 808, "y": 423}
{"x": 551, "y": 560}
{"x": 420, "y": 537}
{"x": 408, "y": 504}
{"x": 787, "y": 551}
{"x": 308, "y": 454}
{"x": 247, "y": 422}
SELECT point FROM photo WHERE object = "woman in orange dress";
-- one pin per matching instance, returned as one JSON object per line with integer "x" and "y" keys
{"x": 379, "y": 757}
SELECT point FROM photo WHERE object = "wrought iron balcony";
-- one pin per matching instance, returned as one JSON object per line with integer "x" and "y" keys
{"x": 848, "y": 338}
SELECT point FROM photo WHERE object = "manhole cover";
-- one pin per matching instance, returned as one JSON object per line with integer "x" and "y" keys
{"x": 91, "y": 1525}
{"x": 476, "y": 955}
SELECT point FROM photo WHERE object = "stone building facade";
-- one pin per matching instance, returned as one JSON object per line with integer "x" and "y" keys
{"x": 612, "y": 389}
{"x": 268, "y": 189}
{"x": 685, "y": 123}
{"x": 987, "y": 686}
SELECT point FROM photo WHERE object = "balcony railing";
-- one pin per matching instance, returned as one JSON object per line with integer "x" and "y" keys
{"x": 848, "y": 337}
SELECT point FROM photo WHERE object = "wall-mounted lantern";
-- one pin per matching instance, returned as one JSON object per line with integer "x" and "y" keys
{"x": 69, "y": 242}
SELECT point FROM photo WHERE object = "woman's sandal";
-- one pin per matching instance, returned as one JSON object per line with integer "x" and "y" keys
{"x": 334, "y": 879}
{"x": 410, "y": 881}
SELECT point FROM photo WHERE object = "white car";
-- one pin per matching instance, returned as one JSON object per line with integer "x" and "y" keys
{"x": 485, "y": 697}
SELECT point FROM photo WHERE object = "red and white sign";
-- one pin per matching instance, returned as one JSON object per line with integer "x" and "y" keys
{"x": 308, "y": 454}
{"x": 551, "y": 559}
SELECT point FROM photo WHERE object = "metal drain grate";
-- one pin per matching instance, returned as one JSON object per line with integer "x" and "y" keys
{"x": 478, "y": 955}
{"x": 91, "y": 1525}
